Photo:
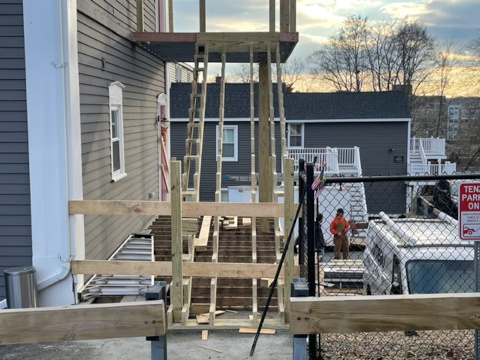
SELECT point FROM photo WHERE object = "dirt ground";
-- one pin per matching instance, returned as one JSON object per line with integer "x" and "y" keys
{"x": 221, "y": 344}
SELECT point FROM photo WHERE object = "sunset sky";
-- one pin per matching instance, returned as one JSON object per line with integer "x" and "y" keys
{"x": 317, "y": 20}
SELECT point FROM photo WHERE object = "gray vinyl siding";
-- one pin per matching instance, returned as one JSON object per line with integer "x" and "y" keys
{"x": 209, "y": 165}
{"x": 15, "y": 212}
{"x": 374, "y": 140}
{"x": 105, "y": 56}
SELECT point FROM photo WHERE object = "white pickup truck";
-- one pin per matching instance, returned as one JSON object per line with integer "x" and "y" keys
{"x": 417, "y": 256}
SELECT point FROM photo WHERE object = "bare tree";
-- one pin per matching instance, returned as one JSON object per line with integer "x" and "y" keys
{"x": 375, "y": 55}
{"x": 292, "y": 71}
{"x": 343, "y": 60}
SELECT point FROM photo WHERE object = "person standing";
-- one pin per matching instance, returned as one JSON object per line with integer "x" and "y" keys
{"x": 339, "y": 227}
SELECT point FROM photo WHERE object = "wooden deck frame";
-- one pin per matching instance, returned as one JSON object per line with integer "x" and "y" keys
{"x": 82, "y": 322}
{"x": 384, "y": 313}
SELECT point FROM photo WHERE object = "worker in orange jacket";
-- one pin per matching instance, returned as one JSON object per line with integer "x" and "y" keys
{"x": 339, "y": 227}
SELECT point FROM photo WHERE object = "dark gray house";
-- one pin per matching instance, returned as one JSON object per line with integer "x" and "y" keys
{"x": 374, "y": 124}
{"x": 78, "y": 107}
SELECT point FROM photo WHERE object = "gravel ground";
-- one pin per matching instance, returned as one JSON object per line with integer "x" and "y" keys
{"x": 432, "y": 345}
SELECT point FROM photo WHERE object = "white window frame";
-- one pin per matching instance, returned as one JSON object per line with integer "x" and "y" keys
{"x": 115, "y": 92}
{"x": 235, "y": 144}
{"x": 302, "y": 135}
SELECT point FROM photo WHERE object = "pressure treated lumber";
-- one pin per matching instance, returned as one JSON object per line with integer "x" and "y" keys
{"x": 349, "y": 314}
{"x": 82, "y": 322}
{"x": 189, "y": 209}
{"x": 176, "y": 288}
{"x": 164, "y": 268}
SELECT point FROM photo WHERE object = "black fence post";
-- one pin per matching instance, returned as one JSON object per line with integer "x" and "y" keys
{"x": 299, "y": 288}
{"x": 158, "y": 343}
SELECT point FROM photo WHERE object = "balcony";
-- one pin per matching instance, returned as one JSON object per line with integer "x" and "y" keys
{"x": 427, "y": 157}
{"x": 336, "y": 161}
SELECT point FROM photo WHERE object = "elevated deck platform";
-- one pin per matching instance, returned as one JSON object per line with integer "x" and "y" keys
{"x": 181, "y": 46}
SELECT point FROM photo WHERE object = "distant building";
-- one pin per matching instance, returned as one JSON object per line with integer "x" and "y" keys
{"x": 463, "y": 113}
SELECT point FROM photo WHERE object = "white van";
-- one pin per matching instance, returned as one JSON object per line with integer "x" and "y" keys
{"x": 417, "y": 256}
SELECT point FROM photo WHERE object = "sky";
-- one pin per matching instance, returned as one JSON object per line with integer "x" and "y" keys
{"x": 317, "y": 20}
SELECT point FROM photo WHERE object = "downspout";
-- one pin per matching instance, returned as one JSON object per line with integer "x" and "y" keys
{"x": 64, "y": 269}
{"x": 54, "y": 140}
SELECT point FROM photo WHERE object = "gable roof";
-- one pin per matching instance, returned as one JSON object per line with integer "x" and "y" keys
{"x": 298, "y": 106}
{"x": 237, "y": 100}
{"x": 346, "y": 105}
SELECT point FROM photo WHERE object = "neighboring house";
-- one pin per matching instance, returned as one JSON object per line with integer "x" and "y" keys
{"x": 236, "y": 137}
{"x": 377, "y": 123}
{"x": 79, "y": 106}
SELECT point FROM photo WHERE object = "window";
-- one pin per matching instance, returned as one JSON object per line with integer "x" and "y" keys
{"x": 229, "y": 143}
{"x": 295, "y": 135}
{"x": 117, "y": 157}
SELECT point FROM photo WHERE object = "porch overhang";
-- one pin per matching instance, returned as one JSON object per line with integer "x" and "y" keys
{"x": 181, "y": 46}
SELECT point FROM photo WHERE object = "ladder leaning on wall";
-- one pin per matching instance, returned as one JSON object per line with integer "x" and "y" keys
{"x": 196, "y": 119}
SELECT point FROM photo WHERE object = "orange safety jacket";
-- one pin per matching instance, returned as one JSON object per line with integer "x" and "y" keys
{"x": 336, "y": 224}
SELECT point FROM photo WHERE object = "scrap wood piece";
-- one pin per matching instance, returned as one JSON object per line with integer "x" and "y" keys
{"x": 204, "y": 335}
{"x": 209, "y": 348}
{"x": 204, "y": 318}
{"x": 254, "y": 331}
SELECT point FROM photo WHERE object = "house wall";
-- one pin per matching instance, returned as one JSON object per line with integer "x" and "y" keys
{"x": 15, "y": 214}
{"x": 209, "y": 164}
{"x": 375, "y": 139}
{"x": 106, "y": 55}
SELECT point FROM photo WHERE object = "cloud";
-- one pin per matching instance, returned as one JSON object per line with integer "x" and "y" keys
{"x": 405, "y": 9}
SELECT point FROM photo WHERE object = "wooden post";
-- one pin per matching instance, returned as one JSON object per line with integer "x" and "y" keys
{"x": 284, "y": 16}
{"x": 177, "y": 256}
{"x": 293, "y": 15}
{"x": 170, "y": 16}
{"x": 272, "y": 16}
{"x": 288, "y": 202}
{"x": 203, "y": 27}
{"x": 140, "y": 16}
{"x": 264, "y": 186}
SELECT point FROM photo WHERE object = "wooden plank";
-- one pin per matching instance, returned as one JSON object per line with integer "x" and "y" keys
{"x": 209, "y": 348}
{"x": 288, "y": 223}
{"x": 204, "y": 233}
{"x": 140, "y": 16}
{"x": 285, "y": 15}
{"x": 82, "y": 322}
{"x": 193, "y": 209}
{"x": 271, "y": 16}
{"x": 293, "y": 16}
{"x": 202, "y": 14}
{"x": 348, "y": 314}
{"x": 177, "y": 243}
{"x": 164, "y": 268}
{"x": 244, "y": 330}
{"x": 170, "y": 16}
{"x": 204, "y": 335}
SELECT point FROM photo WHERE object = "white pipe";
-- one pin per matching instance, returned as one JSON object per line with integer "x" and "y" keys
{"x": 396, "y": 229}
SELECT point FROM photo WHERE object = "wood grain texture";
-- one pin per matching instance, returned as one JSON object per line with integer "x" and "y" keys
{"x": 164, "y": 268}
{"x": 384, "y": 313}
{"x": 189, "y": 209}
{"x": 82, "y": 322}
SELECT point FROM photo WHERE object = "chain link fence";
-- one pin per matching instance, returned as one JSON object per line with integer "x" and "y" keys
{"x": 403, "y": 238}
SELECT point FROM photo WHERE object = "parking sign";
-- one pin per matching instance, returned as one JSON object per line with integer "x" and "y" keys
{"x": 469, "y": 211}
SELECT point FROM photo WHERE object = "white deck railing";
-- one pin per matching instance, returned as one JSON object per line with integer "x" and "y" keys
{"x": 432, "y": 169}
{"x": 334, "y": 160}
{"x": 430, "y": 146}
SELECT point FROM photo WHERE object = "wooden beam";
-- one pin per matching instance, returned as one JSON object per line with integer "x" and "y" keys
{"x": 293, "y": 15}
{"x": 284, "y": 16}
{"x": 170, "y": 16}
{"x": 82, "y": 322}
{"x": 272, "y": 16}
{"x": 140, "y": 16}
{"x": 189, "y": 209}
{"x": 384, "y": 313}
{"x": 263, "y": 137}
{"x": 202, "y": 12}
{"x": 288, "y": 201}
{"x": 164, "y": 268}
{"x": 176, "y": 287}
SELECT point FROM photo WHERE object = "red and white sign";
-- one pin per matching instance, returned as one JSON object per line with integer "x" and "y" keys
{"x": 469, "y": 211}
